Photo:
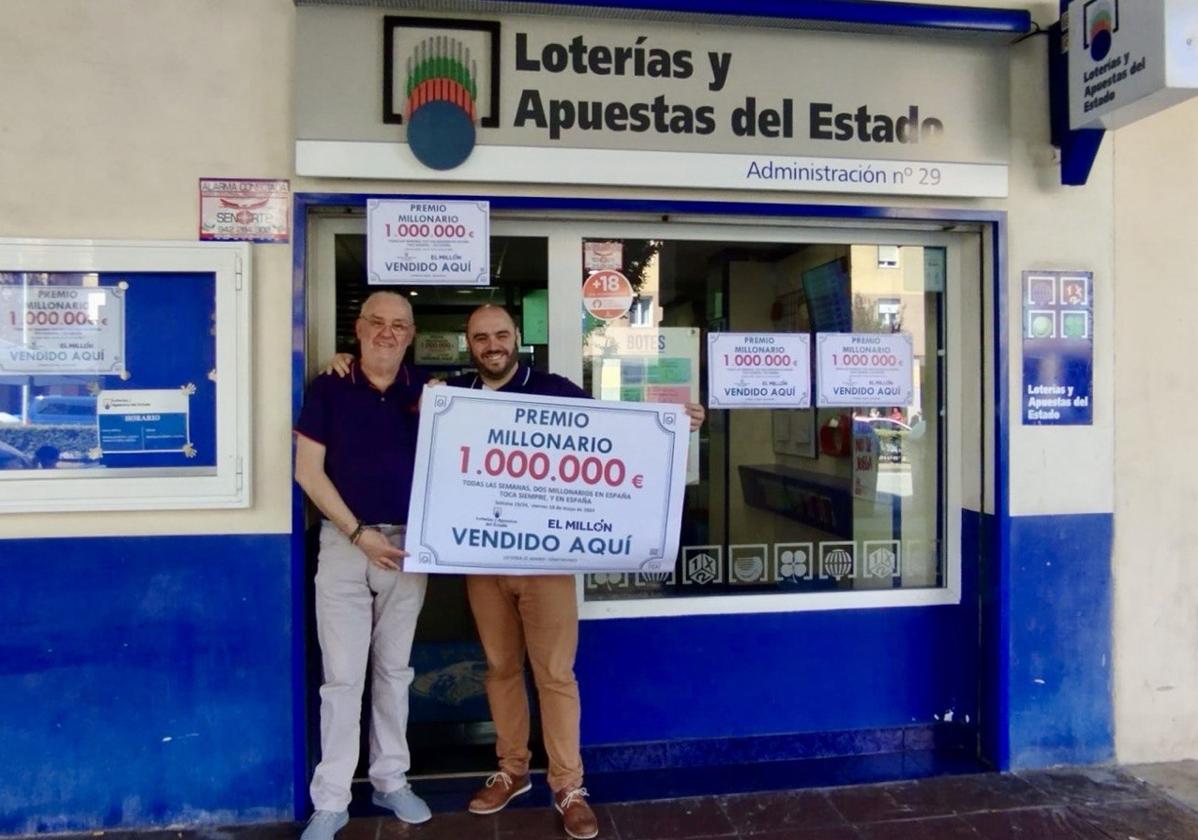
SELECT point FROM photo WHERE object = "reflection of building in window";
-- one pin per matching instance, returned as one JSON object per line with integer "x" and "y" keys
{"x": 641, "y": 314}
{"x": 890, "y": 313}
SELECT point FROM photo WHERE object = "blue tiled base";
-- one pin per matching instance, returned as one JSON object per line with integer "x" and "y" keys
{"x": 723, "y": 752}
{"x": 667, "y": 770}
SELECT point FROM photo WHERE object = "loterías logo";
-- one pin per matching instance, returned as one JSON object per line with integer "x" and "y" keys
{"x": 441, "y": 88}
{"x": 1101, "y": 24}
{"x": 449, "y": 72}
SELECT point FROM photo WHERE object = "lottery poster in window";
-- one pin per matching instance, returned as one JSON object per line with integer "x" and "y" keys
{"x": 648, "y": 364}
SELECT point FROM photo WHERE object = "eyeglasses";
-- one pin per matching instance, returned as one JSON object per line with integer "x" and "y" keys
{"x": 378, "y": 324}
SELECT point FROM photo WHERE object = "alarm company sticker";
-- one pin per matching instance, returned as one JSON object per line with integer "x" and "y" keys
{"x": 245, "y": 209}
{"x": 597, "y": 255}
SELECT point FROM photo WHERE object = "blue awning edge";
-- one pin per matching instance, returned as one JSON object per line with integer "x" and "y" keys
{"x": 836, "y": 15}
{"x": 857, "y": 14}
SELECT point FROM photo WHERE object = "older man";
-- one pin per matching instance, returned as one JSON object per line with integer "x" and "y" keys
{"x": 533, "y": 614}
{"x": 355, "y": 448}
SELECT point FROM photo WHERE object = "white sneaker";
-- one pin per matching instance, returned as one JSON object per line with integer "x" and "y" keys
{"x": 324, "y": 824}
{"x": 407, "y": 806}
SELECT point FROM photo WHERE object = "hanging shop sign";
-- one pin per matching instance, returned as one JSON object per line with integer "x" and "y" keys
{"x": 859, "y": 369}
{"x": 1058, "y": 348}
{"x": 758, "y": 370}
{"x": 245, "y": 209}
{"x": 1129, "y": 59}
{"x": 514, "y": 484}
{"x": 61, "y": 329}
{"x": 428, "y": 243}
{"x": 642, "y": 103}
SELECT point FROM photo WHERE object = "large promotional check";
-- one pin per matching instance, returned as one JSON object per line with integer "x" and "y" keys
{"x": 517, "y": 484}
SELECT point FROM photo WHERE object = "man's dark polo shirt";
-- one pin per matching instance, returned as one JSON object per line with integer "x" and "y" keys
{"x": 369, "y": 438}
{"x": 526, "y": 381}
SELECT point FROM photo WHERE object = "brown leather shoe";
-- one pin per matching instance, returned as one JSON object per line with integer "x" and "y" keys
{"x": 500, "y": 789}
{"x": 577, "y": 816}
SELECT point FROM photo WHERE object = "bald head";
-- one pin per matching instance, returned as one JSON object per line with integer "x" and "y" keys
{"x": 385, "y": 299}
{"x": 491, "y": 314}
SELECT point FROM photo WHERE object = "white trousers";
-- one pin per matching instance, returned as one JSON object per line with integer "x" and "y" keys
{"x": 363, "y": 614}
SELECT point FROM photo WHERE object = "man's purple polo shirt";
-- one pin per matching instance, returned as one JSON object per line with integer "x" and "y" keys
{"x": 527, "y": 381}
{"x": 369, "y": 438}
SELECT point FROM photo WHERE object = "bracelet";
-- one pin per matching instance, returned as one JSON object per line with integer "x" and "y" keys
{"x": 357, "y": 533}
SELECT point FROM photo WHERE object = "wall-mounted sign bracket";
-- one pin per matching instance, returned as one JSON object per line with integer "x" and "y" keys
{"x": 1079, "y": 149}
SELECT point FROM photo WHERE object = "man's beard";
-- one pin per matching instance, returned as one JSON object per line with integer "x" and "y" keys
{"x": 484, "y": 367}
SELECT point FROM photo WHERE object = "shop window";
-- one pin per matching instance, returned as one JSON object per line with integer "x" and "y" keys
{"x": 830, "y": 498}
{"x": 124, "y": 375}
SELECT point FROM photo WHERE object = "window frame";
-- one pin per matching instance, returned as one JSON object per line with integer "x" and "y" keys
{"x": 229, "y": 486}
{"x": 968, "y": 484}
{"x": 566, "y": 358}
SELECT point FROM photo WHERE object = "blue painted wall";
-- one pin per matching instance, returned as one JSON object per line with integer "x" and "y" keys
{"x": 1059, "y": 689}
{"x": 145, "y": 681}
{"x": 727, "y": 676}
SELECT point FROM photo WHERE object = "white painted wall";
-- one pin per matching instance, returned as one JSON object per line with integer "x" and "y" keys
{"x": 112, "y": 112}
{"x": 1156, "y": 396}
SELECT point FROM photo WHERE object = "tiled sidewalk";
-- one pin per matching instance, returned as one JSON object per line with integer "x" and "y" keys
{"x": 1066, "y": 804}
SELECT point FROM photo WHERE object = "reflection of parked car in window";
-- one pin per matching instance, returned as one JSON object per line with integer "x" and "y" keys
{"x": 12, "y": 458}
{"x": 891, "y": 436}
{"x": 67, "y": 411}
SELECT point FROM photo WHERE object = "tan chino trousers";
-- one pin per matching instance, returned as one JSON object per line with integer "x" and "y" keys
{"x": 537, "y": 614}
